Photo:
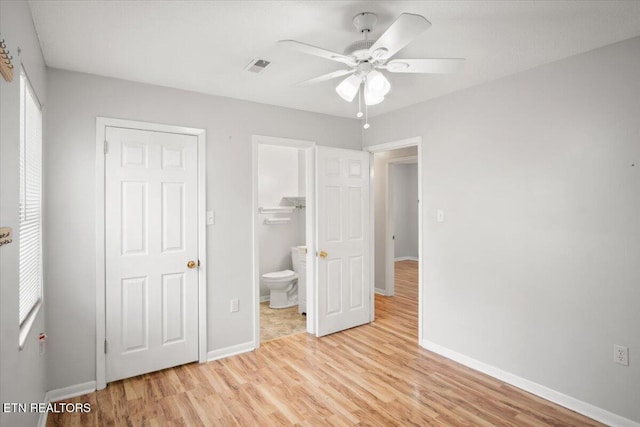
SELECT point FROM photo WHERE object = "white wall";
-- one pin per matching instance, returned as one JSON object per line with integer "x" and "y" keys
{"x": 22, "y": 373}
{"x": 380, "y": 181}
{"x": 279, "y": 170}
{"x": 75, "y": 100}
{"x": 536, "y": 269}
{"x": 404, "y": 191}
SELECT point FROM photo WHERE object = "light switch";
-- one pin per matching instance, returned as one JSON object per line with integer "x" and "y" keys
{"x": 440, "y": 215}
{"x": 211, "y": 218}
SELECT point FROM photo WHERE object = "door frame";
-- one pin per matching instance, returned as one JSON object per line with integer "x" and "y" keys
{"x": 388, "y": 146}
{"x": 308, "y": 146}
{"x": 100, "y": 225}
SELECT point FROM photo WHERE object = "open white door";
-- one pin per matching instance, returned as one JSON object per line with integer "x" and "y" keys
{"x": 342, "y": 224}
{"x": 151, "y": 202}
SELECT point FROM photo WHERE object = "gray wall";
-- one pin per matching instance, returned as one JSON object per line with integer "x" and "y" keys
{"x": 22, "y": 373}
{"x": 74, "y": 102}
{"x": 536, "y": 269}
{"x": 380, "y": 163}
{"x": 404, "y": 190}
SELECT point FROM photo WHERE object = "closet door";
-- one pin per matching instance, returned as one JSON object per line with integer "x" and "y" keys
{"x": 151, "y": 251}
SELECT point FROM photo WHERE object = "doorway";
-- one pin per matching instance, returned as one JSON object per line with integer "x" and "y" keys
{"x": 402, "y": 184}
{"x": 397, "y": 215}
{"x": 339, "y": 292}
{"x": 151, "y": 248}
{"x": 283, "y": 235}
{"x": 400, "y": 225}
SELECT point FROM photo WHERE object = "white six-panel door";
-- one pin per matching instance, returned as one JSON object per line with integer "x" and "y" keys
{"x": 151, "y": 235}
{"x": 342, "y": 215}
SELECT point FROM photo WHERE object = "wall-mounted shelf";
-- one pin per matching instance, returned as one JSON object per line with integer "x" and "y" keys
{"x": 277, "y": 221}
{"x": 276, "y": 209}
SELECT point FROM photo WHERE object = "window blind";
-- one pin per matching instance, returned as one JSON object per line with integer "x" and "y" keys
{"x": 30, "y": 282}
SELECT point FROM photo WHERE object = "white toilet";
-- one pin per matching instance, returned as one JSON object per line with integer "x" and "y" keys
{"x": 283, "y": 288}
{"x": 287, "y": 288}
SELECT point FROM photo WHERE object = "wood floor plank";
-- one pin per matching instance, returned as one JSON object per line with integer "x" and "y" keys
{"x": 376, "y": 375}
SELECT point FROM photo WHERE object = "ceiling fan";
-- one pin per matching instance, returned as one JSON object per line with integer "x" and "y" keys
{"x": 367, "y": 59}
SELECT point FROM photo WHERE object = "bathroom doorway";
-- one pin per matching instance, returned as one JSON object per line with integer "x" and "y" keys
{"x": 397, "y": 212}
{"x": 283, "y": 224}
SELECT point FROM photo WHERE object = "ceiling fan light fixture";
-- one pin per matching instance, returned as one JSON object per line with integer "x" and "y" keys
{"x": 378, "y": 83}
{"x": 372, "y": 99}
{"x": 348, "y": 88}
{"x": 376, "y": 88}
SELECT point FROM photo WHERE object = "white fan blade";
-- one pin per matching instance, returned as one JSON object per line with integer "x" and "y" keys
{"x": 430, "y": 66}
{"x": 318, "y": 51}
{"x": 326, "y": 77}
{"x": 403, "y": 30}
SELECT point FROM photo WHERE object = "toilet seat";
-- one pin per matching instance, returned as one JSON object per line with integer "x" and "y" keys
{"x": 279, "y": 275}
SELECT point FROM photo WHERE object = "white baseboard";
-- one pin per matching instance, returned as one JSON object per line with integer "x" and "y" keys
{"x": 381, "y": 292}
{"x": 65, "y": 393}
{"x": 264, "y": 298}
{"x": 584, "y": 408}
{"x": 406, "y": 258}
{"x": 230, "y": 351}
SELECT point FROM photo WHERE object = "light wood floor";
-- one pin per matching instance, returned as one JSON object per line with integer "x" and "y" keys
{"x": 371, "y": 375}
{"x": 406, "y": 281}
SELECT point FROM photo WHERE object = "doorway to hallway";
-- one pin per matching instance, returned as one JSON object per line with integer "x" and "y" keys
{"x": 397, "y": 218}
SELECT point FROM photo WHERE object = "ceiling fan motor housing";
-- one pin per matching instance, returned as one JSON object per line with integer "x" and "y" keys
{"x": 359, "y": 49}
{"x": 364, "y": 22}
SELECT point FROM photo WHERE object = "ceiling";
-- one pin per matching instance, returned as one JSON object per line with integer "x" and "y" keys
{"x": 204, "y": 46}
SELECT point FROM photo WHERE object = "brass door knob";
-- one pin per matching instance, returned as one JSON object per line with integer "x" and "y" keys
{"x": 322, "y": 254}
{"x": 192, "y": 264}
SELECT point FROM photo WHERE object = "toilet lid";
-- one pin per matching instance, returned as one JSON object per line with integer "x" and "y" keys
{"x": 284, "y": 274}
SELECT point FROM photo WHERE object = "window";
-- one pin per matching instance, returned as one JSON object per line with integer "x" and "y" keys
{"x": 30, "y": 282}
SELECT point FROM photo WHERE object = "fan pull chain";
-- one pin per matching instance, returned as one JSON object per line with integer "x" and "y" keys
{"x": 359, "y": 115}
{"x": 366, "y": 110}
{"x": 366, "y": 117}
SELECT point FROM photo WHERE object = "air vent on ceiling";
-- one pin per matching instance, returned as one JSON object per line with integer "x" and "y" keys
{"x": 257, "y": 65}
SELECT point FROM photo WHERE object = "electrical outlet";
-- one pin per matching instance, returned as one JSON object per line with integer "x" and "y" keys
{"x": 621, "y": 355}
{"x": 235, "y": 305}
